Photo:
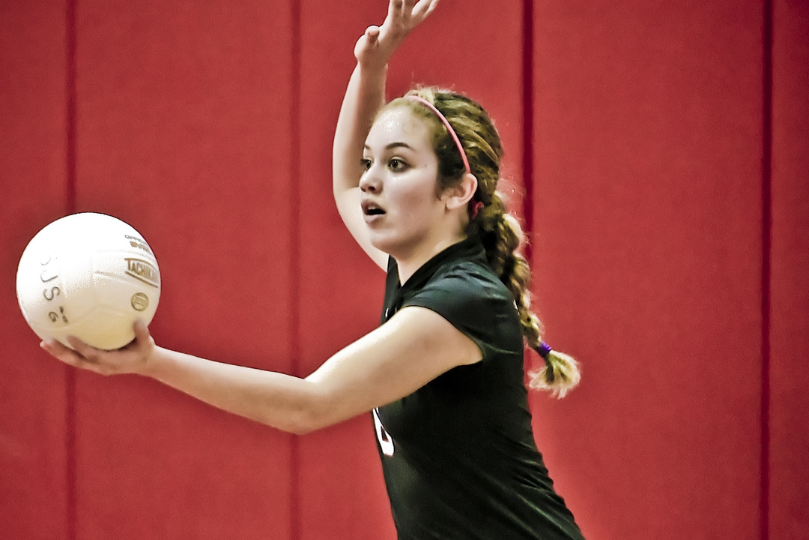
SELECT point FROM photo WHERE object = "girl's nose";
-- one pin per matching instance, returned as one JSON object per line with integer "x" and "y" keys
{"x": 370, "y": 182}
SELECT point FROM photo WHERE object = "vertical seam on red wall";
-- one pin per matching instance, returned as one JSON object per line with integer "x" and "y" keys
{"x": 70, "y": 208}
{"x": 295, "y": 254}
{"x": 766, "y": 239}
{"x": 528, "y": 129}
{"x": 528, "y": 123}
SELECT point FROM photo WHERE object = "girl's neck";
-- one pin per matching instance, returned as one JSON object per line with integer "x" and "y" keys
{"x": 409, "y": 263}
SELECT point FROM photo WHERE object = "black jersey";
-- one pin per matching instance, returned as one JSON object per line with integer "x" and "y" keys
{"x": 458, "y": 455}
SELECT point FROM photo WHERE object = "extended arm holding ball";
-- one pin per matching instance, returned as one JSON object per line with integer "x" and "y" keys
{"x": 364, "y": 96}
{"x": 412, "y": 348}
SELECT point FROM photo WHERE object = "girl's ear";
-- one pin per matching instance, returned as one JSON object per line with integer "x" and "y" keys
{"x": 460, "y": 195}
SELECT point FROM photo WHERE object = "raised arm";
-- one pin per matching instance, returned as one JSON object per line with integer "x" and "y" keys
{"x": 364, "y": 96}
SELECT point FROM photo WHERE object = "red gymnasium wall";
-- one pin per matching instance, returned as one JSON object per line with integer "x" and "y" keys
{"x": 649, "y": 203}
{"x": 661, "y": 148}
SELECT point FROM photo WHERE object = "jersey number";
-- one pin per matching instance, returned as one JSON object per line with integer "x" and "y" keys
{"x": 384, "y": 438}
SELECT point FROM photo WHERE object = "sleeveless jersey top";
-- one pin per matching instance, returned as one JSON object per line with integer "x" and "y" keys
{"x": 458, "y": 455}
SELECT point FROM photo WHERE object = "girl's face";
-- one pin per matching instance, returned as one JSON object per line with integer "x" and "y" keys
{"x": 399, "y": 198}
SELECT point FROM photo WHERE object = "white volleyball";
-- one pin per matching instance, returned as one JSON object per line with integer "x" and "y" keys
{"x": 90, "y": 276}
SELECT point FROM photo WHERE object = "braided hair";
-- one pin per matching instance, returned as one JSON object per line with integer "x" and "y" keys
{"x": 499, "y": 231}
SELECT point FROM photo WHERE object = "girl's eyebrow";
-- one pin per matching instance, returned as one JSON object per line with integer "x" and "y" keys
{"x": 394, "y": 145}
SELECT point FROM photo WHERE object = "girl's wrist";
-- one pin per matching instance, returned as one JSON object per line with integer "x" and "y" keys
{"x": 151, "y": 364}
{"x": 373, "y": 69}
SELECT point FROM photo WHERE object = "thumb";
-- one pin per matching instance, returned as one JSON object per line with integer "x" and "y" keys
{"x": 372, "y": 33}
{"x": 141, "y": 330}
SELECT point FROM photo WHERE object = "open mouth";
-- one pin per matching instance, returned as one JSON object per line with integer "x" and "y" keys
{"x": 371, "y": 209}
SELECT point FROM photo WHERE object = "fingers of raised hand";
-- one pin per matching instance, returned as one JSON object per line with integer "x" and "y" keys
{"x": 423, "y": 8}
{"x": 395, "y": 7}
{"x": 404, "y": 15}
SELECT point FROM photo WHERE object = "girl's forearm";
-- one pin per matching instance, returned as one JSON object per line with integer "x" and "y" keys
{"x": 275, "y": 399}
{"x": 364, "y": 96}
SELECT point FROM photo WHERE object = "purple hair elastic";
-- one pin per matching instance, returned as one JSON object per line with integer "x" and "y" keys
{"x": 543, "y": 349}
{"x": 447, "y": 125}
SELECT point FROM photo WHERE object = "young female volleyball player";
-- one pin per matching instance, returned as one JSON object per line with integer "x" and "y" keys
{"x": 415, "y": 182}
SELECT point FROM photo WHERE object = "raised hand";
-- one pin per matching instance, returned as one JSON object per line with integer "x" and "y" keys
{"x": 134, "y": 358}
{"x": 376, "y": 46}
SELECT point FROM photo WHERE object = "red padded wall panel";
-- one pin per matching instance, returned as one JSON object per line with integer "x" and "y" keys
{"x": 34, "y": 494}
{"x": 648, "y": 250}
{"x": 342, "y": 492}
{"x": 789, "y": 291}
{"x": 183, "y": 116}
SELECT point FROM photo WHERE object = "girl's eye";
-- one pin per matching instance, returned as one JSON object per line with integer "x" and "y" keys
{"x": 397, "y": 164}
{"x": 366, "y": 164}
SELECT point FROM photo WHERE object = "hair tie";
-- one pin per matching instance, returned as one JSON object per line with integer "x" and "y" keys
{"x": 447, "y": 125}
{"x": 543, "y": 349}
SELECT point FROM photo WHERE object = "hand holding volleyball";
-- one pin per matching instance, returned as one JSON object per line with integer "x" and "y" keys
{"x": 134, "y": 358}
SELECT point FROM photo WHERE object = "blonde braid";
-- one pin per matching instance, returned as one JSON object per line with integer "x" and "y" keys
{"x": 499, "y": 231}
{"x": 502, "y": 237}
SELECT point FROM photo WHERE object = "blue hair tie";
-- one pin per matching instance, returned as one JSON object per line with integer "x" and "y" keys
{"x": 543, "y": 349}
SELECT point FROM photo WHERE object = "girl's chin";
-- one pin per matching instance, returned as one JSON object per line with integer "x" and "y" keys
{"x": 394, "y": 245}
{"x": 381, "y": 243}
{"x": 385, "y": 241}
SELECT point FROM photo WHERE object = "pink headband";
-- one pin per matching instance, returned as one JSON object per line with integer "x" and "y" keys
{"x": 448, "y": 126}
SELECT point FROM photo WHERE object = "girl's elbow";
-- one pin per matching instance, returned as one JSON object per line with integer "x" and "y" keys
{"x": 300, "y": 428}
{"x": 312, "y": 416}
{"x": 305, "y": 424}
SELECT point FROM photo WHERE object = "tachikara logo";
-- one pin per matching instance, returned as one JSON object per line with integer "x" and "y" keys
{"x": 144, "y": 271}
{"x": 136, "y": 242}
